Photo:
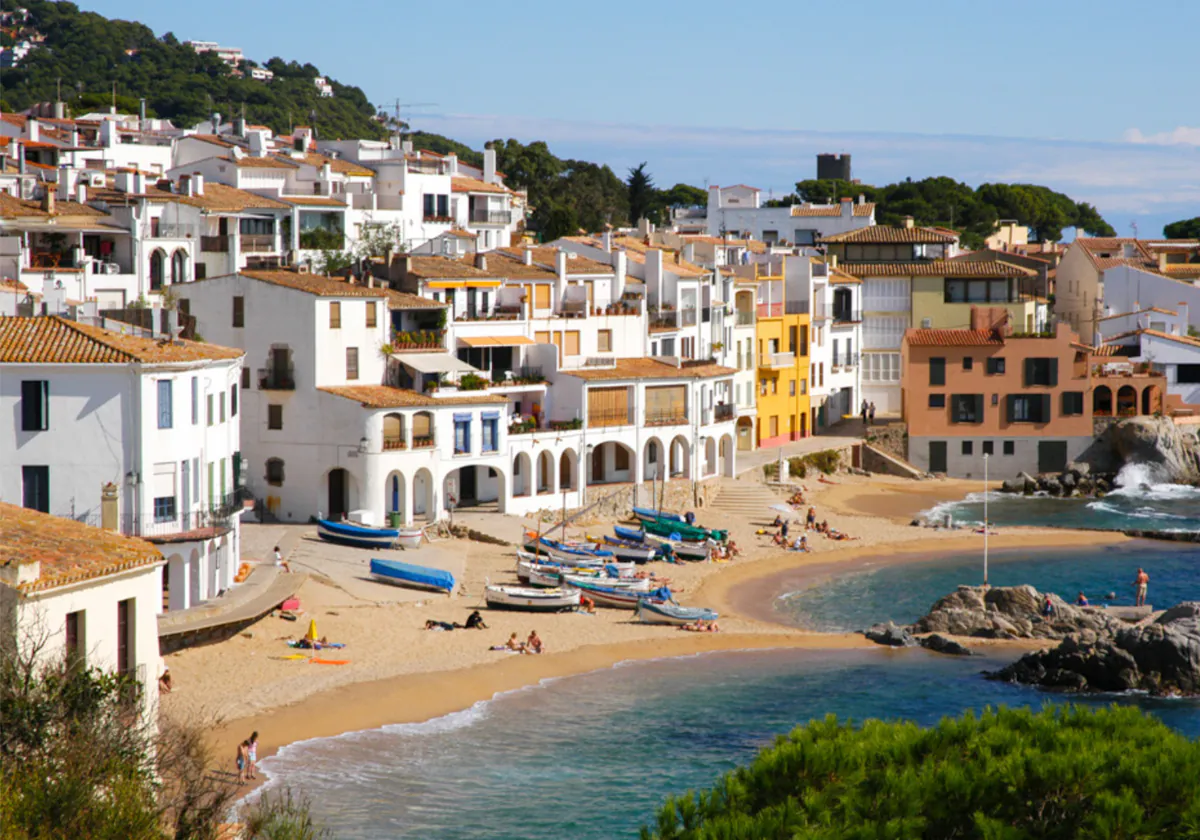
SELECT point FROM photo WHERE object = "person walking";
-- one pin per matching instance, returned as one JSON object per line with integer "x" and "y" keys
{"x": 252, "y": 756}
{"x": 871, "y": 413}
{"x": 1140, "y": 584}
{"x": 280, "y": 562}
{"x": 242, "y": 753}
{"x": 863, "y": 411}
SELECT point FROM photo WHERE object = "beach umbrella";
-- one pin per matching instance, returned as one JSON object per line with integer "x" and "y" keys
{"x": 782, "y": 508}
{"x": 311, "y": 635}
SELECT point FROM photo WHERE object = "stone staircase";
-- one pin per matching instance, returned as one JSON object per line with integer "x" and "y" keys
{"x": 742, "y": 499}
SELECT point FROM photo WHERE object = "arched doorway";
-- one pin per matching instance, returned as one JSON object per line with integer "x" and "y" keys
{"x": 611, "y": 462}
{"x": 1102, "y": 401}
{"x": 1151, "y": 400}
{"x": 179, "y": 266}
{"x": 566, "y": 470}
{"x": 522, "y": 475}
{"x": 727, "y": 456}
{"x": 338, "y": 496}
{"x": 158, "y": 268}
{"x": 710, "y": 456}
{"x": 545, "y": 476}
{"x": 745, "y": 433}
{"x": 653, "y": 459}
{"x": 395, "y": 491}
{"x": 680, "y": 457}
{"x": 1127, "y": 401}
{"x": 423, "y": 501}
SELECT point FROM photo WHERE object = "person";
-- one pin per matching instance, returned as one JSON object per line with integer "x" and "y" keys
{"x": 514, "y": 644}
{"x": 475, "y": 621}
{"x": 1081, "y": 601}
{"x": 871, "y": 413}
{"x": 1140, "y": 584}
{"x": 811, "y": 521}
{"x": 587, "y": 605}
{"x": 863, "y": 411}
{"x": 835, "y": 534}
{"x": 823, "y": 528}
{"x": 690, "y": 517}
{"x": 733, "y": 549}
{"x": 280, "y": 562}
{"x": 778, "y": 521}
{"x": 1048, "y": 607}
{"x": 534, "y": 643}
{"x": 252, "y": 755}
{"x": 243, "y": 752}
{"x": 801, "y": 543}
{"x": 164, "y": 682}
{"x": 439, "y": 625}
{"x": 783, "y": 530}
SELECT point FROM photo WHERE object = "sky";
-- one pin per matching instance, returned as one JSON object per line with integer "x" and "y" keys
{"x": 1095, "y": 99}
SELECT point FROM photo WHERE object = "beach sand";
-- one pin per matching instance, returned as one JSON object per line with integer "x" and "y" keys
{"x": 400, "y": 673}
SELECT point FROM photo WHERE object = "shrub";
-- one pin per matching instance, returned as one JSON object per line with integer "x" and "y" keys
{"x": 282, "y": 817}
{"x": 1063, "y": 772}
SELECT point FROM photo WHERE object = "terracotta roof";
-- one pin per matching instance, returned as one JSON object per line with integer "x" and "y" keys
{"x": 343, "y": 167}
{"x": 936, "y": 268}
{"x": 313, "y": 284}
{"x": 13, "y": 208}
{"x": 460, "y": 184}
{"x": 1138, "y": 312}
{"x": 216, "y": 140}
{"x": 836, "y": 275}
{"x": 67, "y": 551}
{"x": 383, "y": 396}
{"x": 951, "y": 338}
{"x": 831, "y": 210}
{"x": 254, "y": 162}
{"x": 219, "y": 198}
{"x": 404, "y": 300}
{"x": 646, "y": 368}
{"x": 56, "y": 340}
{"x": 1180, "y": 270}
{"x": 636, "y": 250}
{"x": 447, "y": 268}
{"x": 545, "y": 260}
{"x": 885, "y": 234}
{"x": 1180, "y": 339}
{"x": 312, "y": 201}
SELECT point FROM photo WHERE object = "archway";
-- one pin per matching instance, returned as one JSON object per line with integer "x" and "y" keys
{"x": 567, "y": 465}
{"x": 745, "y": 433}
{"x": 1151, "y": 401}
{"x": 727, "y": 456}
{"x": 653, "y": 459}
{"x": 338, "y": 493}
{"x": 179, "y": 266}
{"x": 393, "y": 431}
{"x": 158, "y": 268}
{"x": 1102, "y": 401}
{"x": 611, "y": 462}
{"x": 423, "y": 501}
{"x": 545, "y": 476}
{"x": 474, "y": 486}
{"x": 395, "y": 493}
{"x": 680, "y": 457}
{"x": 522, "y": 475}
{"x": 1127, "y": 401}
{"x": 710, "y": 456}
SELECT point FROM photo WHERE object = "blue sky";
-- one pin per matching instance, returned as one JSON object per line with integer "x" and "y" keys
{"x": 1093, "y": 98}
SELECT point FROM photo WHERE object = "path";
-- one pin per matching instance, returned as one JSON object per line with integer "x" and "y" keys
{"x": 755, "y": 459}
{"x": 744, "y": 500}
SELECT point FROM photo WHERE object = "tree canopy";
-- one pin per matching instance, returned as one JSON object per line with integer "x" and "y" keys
{"x": 944, "y": 202}
{"x": 1183, "y": 229}
{"x": 90, "y": 53}
{"x": 1063, "y": 772}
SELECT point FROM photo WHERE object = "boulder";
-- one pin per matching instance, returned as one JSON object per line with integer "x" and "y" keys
{"x": 1009, "y": 612}
{"x": 1079, "y": 469}
{"x": 1069, "y": 482}
{"x": 891, "y": 635}
{"x": 1158, "y": 443}
{"x": 940, "y": 644}
{"x": 1051, "y": 486}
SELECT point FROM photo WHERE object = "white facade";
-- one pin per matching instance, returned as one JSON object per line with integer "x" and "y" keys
{"x": 738, "y": 211}
{"x": 836, "y": 349}
{"x": 887, "y": 313}
{"x": 1124, "y": 288}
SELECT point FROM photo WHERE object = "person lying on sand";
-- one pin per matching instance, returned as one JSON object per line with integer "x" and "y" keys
{"x": 835, "y": 534}
{"x": 733, "y": 549}
{"x": 701, "y": 626}
{"x": 534, "y": 643}
{"x": 825, "y": 480}
{"x": 441, "y": 625}
{"x": 587, "y": 605}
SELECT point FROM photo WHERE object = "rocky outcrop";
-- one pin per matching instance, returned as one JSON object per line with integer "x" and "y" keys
{"x": 1162, "y": 657}
{"x": 1158, "y": 443}
{"x": 1009, "y": 612}
{"x": 940, "y": 644}
{"x": 891, "y": 635}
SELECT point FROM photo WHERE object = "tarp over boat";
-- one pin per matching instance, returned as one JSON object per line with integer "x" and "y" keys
{"x": 414, "y": 574}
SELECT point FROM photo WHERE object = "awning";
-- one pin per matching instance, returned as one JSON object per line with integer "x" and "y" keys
{"x": 494, "y": 340}
{"x": 434, "y": 363}
{"x": 462, "y": 284}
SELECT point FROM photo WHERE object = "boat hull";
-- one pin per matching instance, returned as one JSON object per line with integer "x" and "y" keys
{"x": 411, "y": 576}
{"x": 531, "y": 600}
{"x": 356, "y": 535}
{"x": 612, "y": 598}
{"x": 410, "y": 537}
{"x": 650, "y": 612}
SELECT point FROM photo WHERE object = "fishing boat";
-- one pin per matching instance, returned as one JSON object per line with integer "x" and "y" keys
{"x": 527, "y": 599}
{"x": 679, "y": 548}
{"x": 359, "y": 536}
{"x": 680, "y": 530}
{"x": 574, "y": 561}
{"x": 540, "y": 544}
{"x": 629, "y": 550}
{"x": 409, "y": 537}
{"x": 664, "y": 612}
{"x": 412, "y": 575}
{"x": 632, "y": 534}
{"x": 646, "y": 514}
{"x": 606, "y": 596}
{"x": 623, "y": 584}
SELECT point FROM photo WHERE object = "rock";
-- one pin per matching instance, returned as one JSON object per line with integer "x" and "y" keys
{"x": 1051, "y": 486}
{"x": 1079, "y": 469}
{"x": 1158, "y": 443}
{"x": 940, "y": 644}
{"x": 1012, "y": 485}
{"x": 1009, "y": 612}
{"x": 1068, "y": 481}
{"x": 891, "y": 635}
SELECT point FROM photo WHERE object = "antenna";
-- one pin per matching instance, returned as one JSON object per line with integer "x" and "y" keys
{"x": 1133, "y": 225}
{"x": 396, "y": 123}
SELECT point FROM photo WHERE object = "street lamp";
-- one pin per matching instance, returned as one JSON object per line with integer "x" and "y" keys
{"x": 986, "y": 526}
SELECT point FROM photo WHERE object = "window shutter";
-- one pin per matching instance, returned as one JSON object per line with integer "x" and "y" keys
{"x": 1045, "y": 400}
{"x": 1030, "y": 371}
{"x": 1012, "y": 407}
{"x": 978, "y": 408}
{"x": 1053, "y": 372}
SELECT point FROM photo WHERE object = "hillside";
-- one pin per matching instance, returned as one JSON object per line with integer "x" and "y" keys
{"x": 88, "y": 52}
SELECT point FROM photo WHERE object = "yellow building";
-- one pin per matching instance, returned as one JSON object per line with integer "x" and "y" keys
{"x": 781, "y": 339}
{"x": 943, "y": 292}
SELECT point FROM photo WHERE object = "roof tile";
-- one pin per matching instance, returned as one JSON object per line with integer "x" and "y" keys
{"x": 56, "y": 340}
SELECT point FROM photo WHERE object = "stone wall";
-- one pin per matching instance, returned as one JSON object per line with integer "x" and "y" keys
{"x": 892, "y": 439}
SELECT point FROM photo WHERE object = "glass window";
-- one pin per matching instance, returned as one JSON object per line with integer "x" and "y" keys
{"x": 1010, "y": 447}
{"x": 209, "y": 407}
{"x": 221, "y": 407}
{"x": 275, "y": 417}
{"x": 937, "y": 371}
{"x": 968, "y": 447}
{"x": 995, "y": 365}
{"x": 35, "y": 488}
{"x": 335, "y": 315}
{"x": 164, "y": 404}
{"x": 274, "y": 471}
{"x": 239, "y": 312}
{"x": 967, "y": 408}
{"x": 956, "y": 291}
{"x": 968, "y": 363}
{"x": 937, "y": 400}
{"x": 164, "y": 509}
{"x": 35, "y": 405}
{"x": 371, "y": 314}
{"x": 490, "y": 431}
{"x": 352, "y": 363}
{"x": 462, "y": 437}
{"x": 989, "y": 447}
{"x": 233, "y": 400}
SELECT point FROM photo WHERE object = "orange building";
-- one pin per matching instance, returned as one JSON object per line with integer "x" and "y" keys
{"x": 1029, "y": 402}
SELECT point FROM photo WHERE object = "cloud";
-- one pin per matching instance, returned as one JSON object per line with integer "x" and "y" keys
{"x": 1181, "y": 136}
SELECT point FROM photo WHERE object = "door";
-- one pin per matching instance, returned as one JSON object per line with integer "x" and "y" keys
{"x": 466, "y": 486}
{"x": 337, "y": 494}
{"x": 279, "y": 363}
{"x": 598, "y": 464}
{"x": 937, "y": 456}
{"x": 1052, "y": 456}
{"x": 35, "y": 488}
{"x": 186, "y": 488}
{"x": 472, "y": 304}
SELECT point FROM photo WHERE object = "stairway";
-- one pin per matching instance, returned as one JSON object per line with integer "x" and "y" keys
{"x": 742, "y": 499}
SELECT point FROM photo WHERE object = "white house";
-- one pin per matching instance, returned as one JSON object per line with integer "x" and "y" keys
{"x": 836, "y": 349}
{"x": 149, "y": 425}
{"x": 84, "y": 593}
{"x": 738, "y": 210}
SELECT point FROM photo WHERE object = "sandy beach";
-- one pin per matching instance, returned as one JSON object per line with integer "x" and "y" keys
{"x": 397, "y": 672}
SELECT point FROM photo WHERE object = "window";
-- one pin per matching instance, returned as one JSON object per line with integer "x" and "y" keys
{"x": 937, "y": 400}
{"x": 937, "y": 371}
{"x": 76, "y": 646}
{"x": 274, "y": 471}
{"x": 968, "y": 363}
{"x": 462, "y": 435}
{"x": 371, "y": 315}
{"x": 989, "y": 447}
{"x": 791, "y": 387}
{"x": 1041, "y": 372}
{"x": 792, "y": 339}
{"x": 125, "y": 636}
{"x": 490, "y": 434}
{"x": 803, "y": 349}
{"x": 35, "y": 405}
{"x": 164, "y": 509}
{"x": 196, "y": 399}
{"x": 1010, "y": 447}
{"x": 621, "y": 458}
{"x": 245, "y": 380}
{"x": 995, "y": 365}
{"x": 221, "y": 407}
{"x": 774, "y": 386}
{"x": 968, "y": 447}
{"x": 335, "y": 315}
{"x": 209, "y": 409}
{"x": 1028, "y": 408}
{"x": 443, "y": 206}
{"x": 803, "y": 386}
{"x": 239, "y": 312}
{"x": 275, "y": 417}
{"x": 1072, "y": 403}
{"x": 256, "y": 227}
{"x": 35, "y": 488}
{"x": 352, "y": 363}
{"x": 1187, "y": 374}
{"x": 164, "y": 404}
{"x": 604, "y": 341}
{"x": 233, "y": 400}
{"x": 966, "y": 408}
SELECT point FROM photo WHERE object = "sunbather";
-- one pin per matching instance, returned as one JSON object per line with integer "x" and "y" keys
{"x": 534, "y": 643}
{"x": 440, "y": 625}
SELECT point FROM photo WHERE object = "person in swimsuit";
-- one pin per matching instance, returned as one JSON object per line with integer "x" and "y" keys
{"x": 243, "y": 751}
{"x": 1140, "y": 584}
{"x": 534, "y": 643}
{"x": 252, "y": 755}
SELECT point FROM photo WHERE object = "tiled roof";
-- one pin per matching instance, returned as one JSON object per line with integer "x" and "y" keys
{"x": 383, "y": 396}
{"x": 887, "y": 235}
{"x": 12, "y": 208}
{"x": 459, "y": 184}
{"x": 546, "y": 257}
{"x": 636, "y": 250}
{"x": 210, "y": 138}
{"x": 645, "y": 368}
{"x": 312, "y": 201}
{"x": 504, "y": 264}
{"x": 219, "y": 198}
{"x": 952, "y": 338}
{"x": 837, "y": 275}
{"x": 1180, "y": 339}
{"x": 343, "y": 167}
{"x": 313, "y": 284}
{"x": 56, "y": 340}
{"x": 831, "y": 210}
{"x": 446, "y": 268}
{"x": 67, "y": 551}
{"x": 404, "y": 300}
{"x": 1138, "y": 312}
{"x": 936, "y": 268}
{"x": 253, "y": 162}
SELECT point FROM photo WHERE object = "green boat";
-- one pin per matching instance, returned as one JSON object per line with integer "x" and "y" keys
{"x": 669, "y": 527}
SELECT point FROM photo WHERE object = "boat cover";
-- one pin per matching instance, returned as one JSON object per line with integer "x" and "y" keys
{"x": 423, "y": 575}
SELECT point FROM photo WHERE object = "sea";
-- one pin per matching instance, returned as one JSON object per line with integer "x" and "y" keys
{"x": 596, "y": 755}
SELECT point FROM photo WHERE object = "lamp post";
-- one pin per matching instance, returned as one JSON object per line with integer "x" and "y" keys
{"x": 986, "y": 527}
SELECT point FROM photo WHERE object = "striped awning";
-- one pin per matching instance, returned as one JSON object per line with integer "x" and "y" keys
{"x": 494, "y": 340}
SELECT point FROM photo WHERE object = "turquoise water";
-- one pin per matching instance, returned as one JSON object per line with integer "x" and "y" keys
{"x": 594, "y": 756}
{"x": 903, "y": 593}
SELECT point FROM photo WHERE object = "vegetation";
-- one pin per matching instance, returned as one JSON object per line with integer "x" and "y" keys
{"x": 1183, "y": 229}
{"x": 944, "y": 202}
{"x": 826, "y": 461}
{"x": 1059, "y": 773}
{"x": 89, "y": 53}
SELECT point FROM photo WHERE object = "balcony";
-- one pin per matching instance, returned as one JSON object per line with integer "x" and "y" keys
{"x": 276, "y": 380}
{"x": 431, "y": 218}
{"x": 820, "y": 312}
{"x": 666, "y": 418}
{"x": 744, "y": 319}
{"x": 724, "y": 412}
{"x": 393, "y": 442}
{"x": 573, "y": 309}
{"x": 526, "y": 375}
{"x": 687, "y": 317}
{"x": 777, "y": 361}
{"x": 490, "y": 217}
{"x": 214, "y": 244}
{"x": 423, "y": 441}
{"x": 257, "y": 243}
{"x": 418, "y": 340}
{"x": 770, "y": 310}
{"x": 850, "y": 361}
{"x": 172, "y": 231}
{"x": 847, "y": 316}
{"x": 197, "y": 524}
{"x": 664, "y": 321}
{"x": 608, "y": 417}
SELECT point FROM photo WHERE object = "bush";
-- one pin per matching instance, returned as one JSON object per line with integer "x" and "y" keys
{"x": 1063, "y": 772}
{"x": 826, "y": 461}
{"x": 282, "y": 817}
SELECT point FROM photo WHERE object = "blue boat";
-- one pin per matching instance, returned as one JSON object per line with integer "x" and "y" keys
{"x": 664, "y": 612}
{"x": 411, "y": 575}
{"x": 649, "y": 515}
{"x": 539, "y": 543}
{"x": 360, "y": 536}
{"x": 631, "y": 534}
{"x": 681, "y": 549}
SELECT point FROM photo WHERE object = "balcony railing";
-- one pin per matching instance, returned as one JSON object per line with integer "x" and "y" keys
{"x": 393, "y": 442}
{"x": 435, "y": 219}
{"x": 214, "y": 244}
{"x": 846, "y": 361}
{"x": 664, "y": 321}
{"x": 276, "y": 380}
{"x": 774, "y": 361}
{"x": 491, "y": 217}
{"x": 847, "y": 316}
{"x": 770, "y": 310}
{"x": 422, "y": 441}
{"x": 527, "y": 375}
{"x": 257, "y": 243}
{"x": 820, "y": 311}
{"x": 418, "y": 340}
{"x": 666, "y": 418}
{"x": 608, "y": 417}
{"x": 215, "y": 515}
{"x": 724, "y": 412}
{"x": 574, "y": 309}
{"x": 172, "y": 231}
{"x": 744, "y": 319}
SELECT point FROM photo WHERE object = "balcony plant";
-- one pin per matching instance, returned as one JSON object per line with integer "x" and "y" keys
{"x": 472, "y": 382}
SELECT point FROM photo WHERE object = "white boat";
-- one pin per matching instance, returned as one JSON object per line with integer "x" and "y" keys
{"x": 658, "y": 612}
{"x": 527, "y": 599}
{"x": 622, "y": 584}
{"x": 409, "y": 537}
{"x": 574, "y": 562}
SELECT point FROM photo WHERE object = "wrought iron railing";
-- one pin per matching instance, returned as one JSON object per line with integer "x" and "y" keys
{"x": 674, "y": 417}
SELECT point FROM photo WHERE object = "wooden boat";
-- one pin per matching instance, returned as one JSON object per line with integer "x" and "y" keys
{"x": 409, "y": 537}
{"x": 680, "y": 530}
{"x": 526, "y": 599}
{"x": 629, "y": 550}
{"x": 412, "y": 575}
{"x": 683, "y": 550}
{"x": 646, "y": 514}
{"x": 664, "y": 612}
{"x": 623, "y": 584}
{"x": 359, "y": 536}
{"x": 605, "y": 596}
{"x": 582, "y": 549}
{"x": 571, "y": 561}
{"x": 631, "y": 534}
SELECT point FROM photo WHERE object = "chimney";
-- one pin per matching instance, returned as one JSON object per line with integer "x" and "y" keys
{"x": 139, "y": 182}
{"x": 978, "y": 321}
{"x": 20, "y": 153}
{"x": 908, "y": 222}
{"x": 489, "y": 166}
{"x": 60, "y": 111}
{"x": 862, "y": 199}
{"x": 481, "y": 262}
{"x": 407, "y": 147}
{"x": 452, "y": 165}
{"x": 185, "y": 184}
{"x": 560, "y": 264}
{"x": 239, "y": 126}
{"x": 833, "y": 261}
{"x": 689, "y": 252}
{"x": 67, "y": 178}
{"x": 606, "y": 241}
{"x": 34, "y": 129}
{"x": 108, "y": 507}
{"x": 48, "y": 203}
{"x": 847, "y": 208}
{"x": 258, "y": 142}
{"x": 81, "y": 192}
{"x": 197, "y": 183}
{"x": 1162, "y": 262}
{"x": 108, "y": 133}
{"x": 142, "y": 112}
{"x": 528, "y": 255}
